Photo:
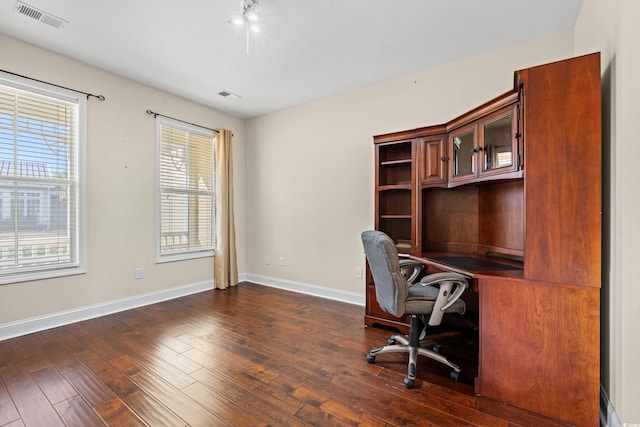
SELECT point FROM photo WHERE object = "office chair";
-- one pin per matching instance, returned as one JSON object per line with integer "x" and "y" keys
{"x": 425, "y": 301}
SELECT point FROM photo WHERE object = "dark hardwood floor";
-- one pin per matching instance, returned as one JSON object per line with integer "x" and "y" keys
{"x": 246, "y": 356}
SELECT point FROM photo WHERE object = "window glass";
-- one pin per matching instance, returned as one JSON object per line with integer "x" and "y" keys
{"x": 41, "y": 139}
{"x": 185, "y": 193}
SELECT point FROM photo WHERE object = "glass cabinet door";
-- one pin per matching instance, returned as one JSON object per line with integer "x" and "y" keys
{"x": 463, "y": 154}
{"x": 497, "y": 141}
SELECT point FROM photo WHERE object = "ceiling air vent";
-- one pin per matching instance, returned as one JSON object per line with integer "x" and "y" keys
{"x": 40, "y": 15}
{"x": 229, "y": 95}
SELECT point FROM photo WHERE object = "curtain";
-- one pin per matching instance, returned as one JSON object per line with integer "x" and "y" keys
{"x": 225, "y": 262}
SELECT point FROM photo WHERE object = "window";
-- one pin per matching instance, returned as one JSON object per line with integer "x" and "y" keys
{"x": 42, "y": 131}
{"x": 185, "y": 191}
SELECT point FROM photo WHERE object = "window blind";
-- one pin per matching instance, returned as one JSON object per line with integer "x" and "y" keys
{"x": 186, "y": 191}
{"x": 39, "y": 182}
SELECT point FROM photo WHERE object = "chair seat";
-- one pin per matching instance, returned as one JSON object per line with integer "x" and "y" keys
{"x": 420, "y": 295}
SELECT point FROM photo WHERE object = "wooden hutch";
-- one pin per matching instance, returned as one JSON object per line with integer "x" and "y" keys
{"x": 514, "y": 186}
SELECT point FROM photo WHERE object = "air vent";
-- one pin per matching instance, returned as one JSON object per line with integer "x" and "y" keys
{"x": 40, "y": 15}
{"x": 229, "y": 95}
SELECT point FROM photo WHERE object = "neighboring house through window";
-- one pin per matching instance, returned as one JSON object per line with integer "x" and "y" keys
{"x": 42, "y": 132}
{"x": 185, "y": 191}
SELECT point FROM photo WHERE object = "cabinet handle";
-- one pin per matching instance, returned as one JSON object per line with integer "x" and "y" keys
{"x": 443, "y": 158}
{"x": 476, "y": 149}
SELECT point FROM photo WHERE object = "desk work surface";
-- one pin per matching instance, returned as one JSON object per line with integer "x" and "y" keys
{"x": 470, "y": 265}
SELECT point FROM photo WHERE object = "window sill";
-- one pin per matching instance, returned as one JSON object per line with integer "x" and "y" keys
{"x": 183, "y": 256}
{"x": 40, "y": 275}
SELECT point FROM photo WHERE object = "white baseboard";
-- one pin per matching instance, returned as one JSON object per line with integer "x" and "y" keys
{"x": 40, "y": 323}
{"x": 608, "y": 416}
{"x": 305, "y": 288}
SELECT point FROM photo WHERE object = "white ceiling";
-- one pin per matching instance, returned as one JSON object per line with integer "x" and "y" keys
{"x": 306, "y": 50}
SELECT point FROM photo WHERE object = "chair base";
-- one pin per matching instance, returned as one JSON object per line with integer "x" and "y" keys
{"x": 414, "y": 347}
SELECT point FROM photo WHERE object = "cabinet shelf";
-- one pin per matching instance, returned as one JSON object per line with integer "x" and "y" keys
{"x": 402, "y": 162}
{"x": 393, "y": 187}
{"x": 395, "y": 216}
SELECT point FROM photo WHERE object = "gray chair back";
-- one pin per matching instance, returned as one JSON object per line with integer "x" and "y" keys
{"x": 391, "y": 287}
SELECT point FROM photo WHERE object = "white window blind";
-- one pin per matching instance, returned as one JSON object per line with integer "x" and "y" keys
{"x": 186, "y": 192}
{"x": 40, "y": 181}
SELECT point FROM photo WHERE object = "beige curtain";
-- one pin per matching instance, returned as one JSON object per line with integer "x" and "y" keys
{"x": 225, "y": 262}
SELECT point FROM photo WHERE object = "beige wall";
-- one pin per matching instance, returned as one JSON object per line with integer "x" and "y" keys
{"x": 610, "y": 26}
{"x": 310, "y": 168}
{"x": 121, "y": 177}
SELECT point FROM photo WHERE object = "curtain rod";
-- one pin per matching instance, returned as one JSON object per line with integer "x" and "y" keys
{"x": 99, "y": 97}
{"x": 154, "y": 114}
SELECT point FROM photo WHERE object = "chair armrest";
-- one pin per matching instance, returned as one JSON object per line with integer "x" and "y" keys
{"x": 452, "y": 286}
{"x": 410, "y": 269}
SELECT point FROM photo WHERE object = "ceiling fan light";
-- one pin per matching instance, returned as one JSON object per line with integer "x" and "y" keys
{"x": 252, "y": 16}
{"x": 237, "y": 20}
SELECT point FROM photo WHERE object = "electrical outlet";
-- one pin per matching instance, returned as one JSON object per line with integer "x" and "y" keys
{"x": 139, "y": 273}
{"x": 281, "y": 261}
{"x": 267, "y": 260}
{"x": 358, "y": 273}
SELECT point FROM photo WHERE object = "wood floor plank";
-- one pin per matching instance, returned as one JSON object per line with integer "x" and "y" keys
{"x": 150, "y": 361}
{"x": 76, "y": 412}
{"x": 88, "y": 385}
{"x": 210, "y": 354}
{"x": 72, "y": 343}
{"x": 32, "y": 405}
{"x": 170, "y": 355}
{"x": 59, "y": 356}
{"x": 317, "y": 417}
{"x": 53, "y": 384}
{"x": 115, "y": 413}
{"x": 373, "y": 421}
{"x": 332, "y": 409}
{"x": 179, "y": 403}
{"x": 151, "y": 411}
{"x": 222, "y": 407}
{"x": 120, "y": 384}
{"x": 173, "y": 342}
{"x": 249, "y": 355}
{"x": 8, "y": 411}
{"x": 142, "y": 404}
{"x": 8, "y": 355}
{"x": 225, "y": 367}
{"x": 272, "y": 403}
{"x": 101, "y": 342}
{"x": 25, "y": 347}
{"x": 127, "y": 365}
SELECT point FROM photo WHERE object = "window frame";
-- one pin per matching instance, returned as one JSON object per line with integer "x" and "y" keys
{"x": 194, "y": 253}
{"x": 79, "y": 235}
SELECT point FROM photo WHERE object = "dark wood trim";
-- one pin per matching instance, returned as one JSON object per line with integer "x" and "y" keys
{"x": 409, "y": 134}
{"x": 521, "y": 416}
{"x": 508, "y": 98}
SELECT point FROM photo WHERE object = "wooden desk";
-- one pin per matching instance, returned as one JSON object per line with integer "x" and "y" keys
{"x": 532, "y": 190}
{"x": 530, "y": 336}
{"x": 472, "y": 265}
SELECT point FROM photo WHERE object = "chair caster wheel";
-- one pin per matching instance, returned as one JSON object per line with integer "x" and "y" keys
{"x": 437, "y": 348}
{"x": 455, "y": 376}
{"x": 391, "y": 341}
{"x": 408, "y": 383}
{"x": 371, "y": 358}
